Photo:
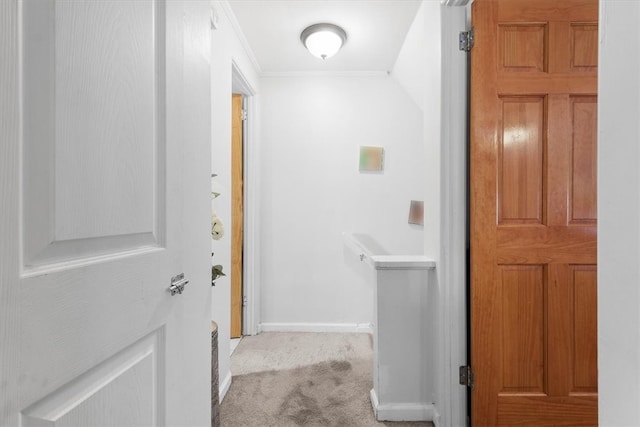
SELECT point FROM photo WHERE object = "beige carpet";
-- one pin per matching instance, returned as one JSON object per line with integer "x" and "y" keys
{"x": 302, "y": 379}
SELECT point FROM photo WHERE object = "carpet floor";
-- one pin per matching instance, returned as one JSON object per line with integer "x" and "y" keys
{"x": 302, "y": 379}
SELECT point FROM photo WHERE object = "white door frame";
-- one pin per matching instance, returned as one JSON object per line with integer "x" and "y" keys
{"x": 250, "y": 171}
{"x": 455, "y": 15}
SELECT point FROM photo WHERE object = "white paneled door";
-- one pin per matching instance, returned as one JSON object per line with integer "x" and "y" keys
{"x": 104, "y": 115}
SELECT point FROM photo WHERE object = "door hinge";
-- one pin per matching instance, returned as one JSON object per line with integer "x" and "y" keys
{"x": 466, "y": 376}
{"x": 244, "y": 115}
{"x": 466, "y": 40}
{"x": 244, "y": 301}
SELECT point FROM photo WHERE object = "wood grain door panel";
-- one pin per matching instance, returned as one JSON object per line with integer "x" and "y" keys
{"x": 533, "y": 213}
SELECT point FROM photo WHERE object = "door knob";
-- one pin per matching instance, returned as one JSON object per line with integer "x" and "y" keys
{"x": 177, "y": 284}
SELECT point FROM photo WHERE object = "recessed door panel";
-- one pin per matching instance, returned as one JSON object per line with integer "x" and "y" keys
{"x": 523, "y": 338}
{"x": 584, "y": 113}
{"x": 93, "y": 134}
{"x": 523, "y": 48}
{"x": 520, "y": 162}
{"x": 584, "y": 47}
{"x": 130, "y": 380}
{"x": 585, "y": 328}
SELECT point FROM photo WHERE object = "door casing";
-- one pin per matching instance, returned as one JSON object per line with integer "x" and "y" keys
{"x": 251, "y": 167}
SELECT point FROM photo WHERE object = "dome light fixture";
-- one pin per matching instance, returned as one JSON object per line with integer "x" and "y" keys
{"x": 323, "y": 40}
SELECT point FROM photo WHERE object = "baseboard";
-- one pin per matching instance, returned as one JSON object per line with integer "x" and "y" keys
{"x": 224, "y": 386}
{"x": 401, "y": 411}
{"x": 316, "y": 327}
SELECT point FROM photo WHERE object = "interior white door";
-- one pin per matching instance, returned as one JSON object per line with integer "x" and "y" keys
{"x": 104, "y": 115}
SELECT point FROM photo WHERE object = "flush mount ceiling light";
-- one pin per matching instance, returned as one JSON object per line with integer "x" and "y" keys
{"x": 323, "y": 40}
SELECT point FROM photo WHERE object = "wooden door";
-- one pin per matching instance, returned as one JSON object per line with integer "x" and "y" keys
{"x": 105, "y": 115}
{"x": 533, "y": 212}
{"x": 237, "y": 220}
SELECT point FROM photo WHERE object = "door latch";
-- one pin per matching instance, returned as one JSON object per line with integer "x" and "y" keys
{"x": 177, "y": 284}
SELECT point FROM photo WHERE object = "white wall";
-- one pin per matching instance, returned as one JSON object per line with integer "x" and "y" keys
{"x": 419, "y": 70}
{"x": 226, "y": 48}
{"x": 619, "y": 214}
{"x": 411, "y": 66}
{"x": 312, "y": 191}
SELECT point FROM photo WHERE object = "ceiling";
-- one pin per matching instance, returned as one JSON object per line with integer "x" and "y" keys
{"x": 376, "y": 30}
